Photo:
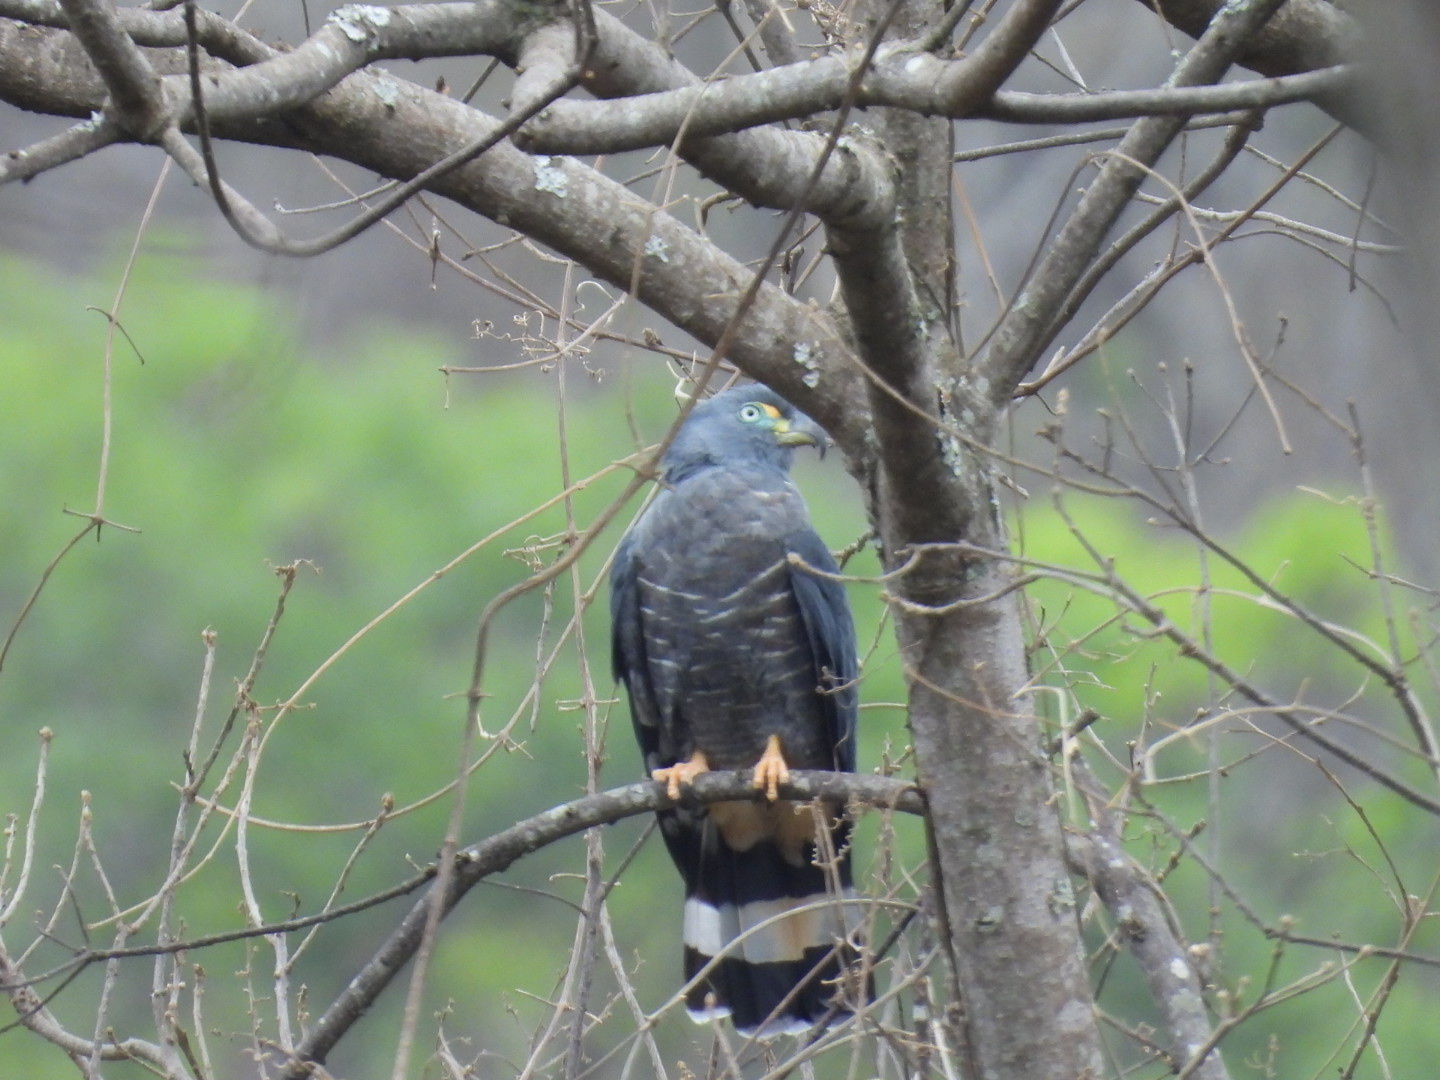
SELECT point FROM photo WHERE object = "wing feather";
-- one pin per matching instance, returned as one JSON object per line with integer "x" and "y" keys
{"x": 627, "y": 650}
{"x": 830, "y": 632}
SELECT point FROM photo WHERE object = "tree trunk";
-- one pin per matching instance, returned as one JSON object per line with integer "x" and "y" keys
{"x": 1006, "y": 904}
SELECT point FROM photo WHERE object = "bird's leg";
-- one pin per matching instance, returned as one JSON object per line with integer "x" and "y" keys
{"x": 771, "y": 770}
{"x": 682, "y": 772}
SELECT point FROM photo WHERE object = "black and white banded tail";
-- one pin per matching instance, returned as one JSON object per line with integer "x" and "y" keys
{"x": 771, "y": 923}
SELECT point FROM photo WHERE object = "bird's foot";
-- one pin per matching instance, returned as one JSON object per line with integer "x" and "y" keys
{"x": 771, "y": 770}
{"x": 682, "y": 772}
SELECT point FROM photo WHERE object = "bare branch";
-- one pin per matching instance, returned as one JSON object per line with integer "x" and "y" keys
{"x": 767, "y": 167}
{"x": 1145, "y": 924}
{"x": 1303, "y": 35}
{"x": 135, "y": 90}
{"x": 10, "y": 900}
{"x": 35, "y": 1016}
{"x": 474, "y": 864}
{"x": 1021, "y": 108}
{"x": 1029, "y": 326}
{"x": 84, "y": 138}
{"x": 900, "y": 79}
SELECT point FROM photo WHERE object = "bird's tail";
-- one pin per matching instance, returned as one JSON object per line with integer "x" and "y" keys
{"x": 771, "y": 931}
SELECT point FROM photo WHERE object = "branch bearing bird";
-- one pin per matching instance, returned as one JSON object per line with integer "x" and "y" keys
{"x": 735, "y": 655}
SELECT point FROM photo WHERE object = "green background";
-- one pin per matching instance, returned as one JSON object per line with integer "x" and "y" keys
{"x": 236, "y": 449}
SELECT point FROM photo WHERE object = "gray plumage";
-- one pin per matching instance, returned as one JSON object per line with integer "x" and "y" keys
{"x": 723, "y": 643}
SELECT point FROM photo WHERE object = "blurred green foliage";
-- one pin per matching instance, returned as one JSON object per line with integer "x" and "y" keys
{"x": 1294, "y": 838}
{"x": 234, "y": 451}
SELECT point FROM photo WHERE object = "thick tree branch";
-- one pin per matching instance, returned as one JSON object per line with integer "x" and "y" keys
{"x": 767, "y": 167}
{"x": 1144, "y": 923}
{"x": 904, "y": 341}
{"x": 1022, "y": 108}
{"x": 630, "y": 65}
{"x": 699, "y": 108}
{"x": 396, "y": 128}
{"x": 137, "y": 99}
{"x": 1304, "y": 35}
{"x": 900, "y": 79}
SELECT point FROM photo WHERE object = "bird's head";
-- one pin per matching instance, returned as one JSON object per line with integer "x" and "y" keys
{"x": 743, "y": 425}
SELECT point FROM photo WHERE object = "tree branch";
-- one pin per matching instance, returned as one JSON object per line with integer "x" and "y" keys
{"x": 1144, "y": 923}
{"x": 477, "y": 862}
{"x": 383, "y": 123}
{"x": 1031, "y": 324}
{"x": 1020, "y": 108}
{"x": 900, "y": 79}
{"x": 903, "y": 339}
{"x": 36, "y": 1017}
{"x": 70, "y": 145}
{"x": 1304, "y": 35}
{"x": 767, "y": 167}
{"x": 1006, "y": 923}
{"x": 137, "y": 98}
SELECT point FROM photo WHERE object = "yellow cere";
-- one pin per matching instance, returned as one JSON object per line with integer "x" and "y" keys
{"x": 770, "y": 410}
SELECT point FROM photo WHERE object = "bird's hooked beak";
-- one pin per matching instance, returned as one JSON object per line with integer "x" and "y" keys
{"x": 801, "y": 431}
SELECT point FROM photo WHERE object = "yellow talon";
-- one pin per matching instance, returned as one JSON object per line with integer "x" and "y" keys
{"x": 682, "y": 772}
{"x": 771, "y": 770}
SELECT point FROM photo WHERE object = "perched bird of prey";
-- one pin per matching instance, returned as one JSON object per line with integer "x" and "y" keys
{"x": 736, "y": 656}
